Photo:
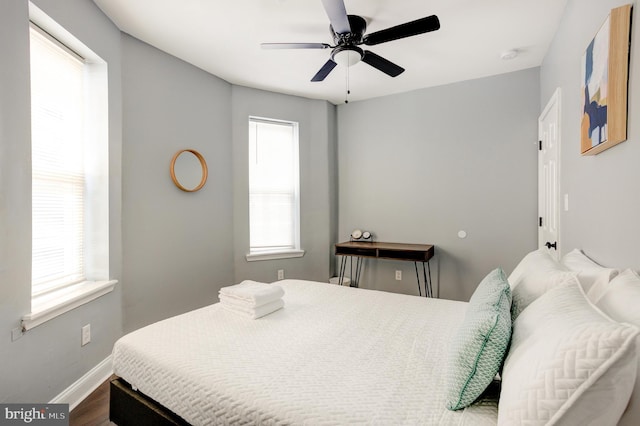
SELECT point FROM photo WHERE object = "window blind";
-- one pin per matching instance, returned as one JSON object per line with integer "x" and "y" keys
{"x": 57, "y": 164}
{"x": 273, "y": 185}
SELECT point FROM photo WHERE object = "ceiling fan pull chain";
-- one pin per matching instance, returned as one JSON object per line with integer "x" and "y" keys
{"x": 346, "y": 100}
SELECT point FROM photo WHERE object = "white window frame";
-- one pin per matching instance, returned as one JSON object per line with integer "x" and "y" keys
{"x": 49, "y": 304}
{"x": 295, "y": 250}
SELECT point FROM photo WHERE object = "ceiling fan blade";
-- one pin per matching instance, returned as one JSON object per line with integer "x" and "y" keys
{"x": 324, "y": 71}
{"x": 382, "y": 64}
{"x": 294, "y": 45}
{"x": 408, "y": 29}
{"x": 337, "y": 13}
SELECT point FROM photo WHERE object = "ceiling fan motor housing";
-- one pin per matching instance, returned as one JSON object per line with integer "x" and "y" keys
{"x": 358, "y": 27}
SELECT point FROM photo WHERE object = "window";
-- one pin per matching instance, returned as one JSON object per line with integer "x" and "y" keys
{"x": 274, "y": 196}
{"x": 57, "y": 164}
{"x": 70, "y": 177}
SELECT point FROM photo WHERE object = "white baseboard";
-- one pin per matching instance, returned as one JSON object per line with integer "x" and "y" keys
{"x": 81, "y": 388}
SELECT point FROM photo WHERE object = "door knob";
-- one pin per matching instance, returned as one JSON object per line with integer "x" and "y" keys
{"x": 554, "y": 245}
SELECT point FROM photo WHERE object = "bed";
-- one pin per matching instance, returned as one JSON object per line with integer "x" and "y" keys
{"x": 341, "y": 355}
{"x": 333, "y": 355}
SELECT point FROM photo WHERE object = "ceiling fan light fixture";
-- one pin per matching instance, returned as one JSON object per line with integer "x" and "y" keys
{"x": 347, "y": 55}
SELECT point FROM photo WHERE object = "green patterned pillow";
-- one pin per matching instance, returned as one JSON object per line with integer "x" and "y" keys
{"x": 480, "y": 345}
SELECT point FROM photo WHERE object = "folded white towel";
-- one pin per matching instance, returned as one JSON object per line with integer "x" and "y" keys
{"x": 254, "y": 313}
{"x": 240, "y": 303}
{"x": 253, "y": 293}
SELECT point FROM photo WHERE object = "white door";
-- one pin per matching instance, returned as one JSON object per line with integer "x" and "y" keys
{"x": 549, "y": 176}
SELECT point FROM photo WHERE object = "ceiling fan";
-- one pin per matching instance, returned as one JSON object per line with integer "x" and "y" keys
{"x": 348, "y": 32}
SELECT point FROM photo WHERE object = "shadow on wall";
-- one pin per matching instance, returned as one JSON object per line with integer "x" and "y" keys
{"x": 459, "y": 268}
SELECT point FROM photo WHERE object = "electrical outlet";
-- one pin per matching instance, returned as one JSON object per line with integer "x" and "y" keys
{"x": 86, "y": 334}
{"x": 281, "y": 274}
{"x": 16, "y": 333}
{"x": 398, "y": 275}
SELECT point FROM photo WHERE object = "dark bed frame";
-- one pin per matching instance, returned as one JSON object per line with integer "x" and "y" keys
{"x": 128, "y": 407}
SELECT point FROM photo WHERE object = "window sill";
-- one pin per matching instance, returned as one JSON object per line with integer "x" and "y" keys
{"x": 273, "y": 255}
{"x": 49, "y": 306}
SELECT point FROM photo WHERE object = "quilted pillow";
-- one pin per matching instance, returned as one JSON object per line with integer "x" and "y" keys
{"x": 536, "y": 273}
{"x": 592, "y": 277}
{"x": 568, "y": 363}
{"x": 479, "y": 347}
{"x": 620, "y": 301}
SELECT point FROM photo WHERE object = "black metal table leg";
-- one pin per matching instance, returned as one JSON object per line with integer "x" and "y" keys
{"x": 418, "y": 278}
{"x": 355, "y": 271}
{"x": 343, "y": 265}
{"x": 353, "y": 282}
{"x": 426, "y": 276}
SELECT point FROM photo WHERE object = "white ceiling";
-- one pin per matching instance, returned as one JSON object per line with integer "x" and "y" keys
{"x": 223, "y": 38}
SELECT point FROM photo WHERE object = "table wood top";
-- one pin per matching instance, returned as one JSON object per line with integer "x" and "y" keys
{"x": 386, "y": 246}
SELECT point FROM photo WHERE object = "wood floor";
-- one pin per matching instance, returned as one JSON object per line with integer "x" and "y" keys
{"x": 94, "y": 410}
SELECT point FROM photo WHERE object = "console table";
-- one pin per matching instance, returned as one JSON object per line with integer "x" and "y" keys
{"x": 395, "y": 251}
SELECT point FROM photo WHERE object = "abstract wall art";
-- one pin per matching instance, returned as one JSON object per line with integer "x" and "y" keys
{"x": 605, "y": 75}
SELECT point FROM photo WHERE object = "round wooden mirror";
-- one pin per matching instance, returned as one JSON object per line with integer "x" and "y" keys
{"x": 189, "y": 170}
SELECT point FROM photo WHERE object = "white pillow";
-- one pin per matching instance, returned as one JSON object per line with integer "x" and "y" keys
{"x": 568, "y": 363}
{"x": 576, "y": 260}
{"x": 536, "y": 260}
{"x": 621, "y": 301}
{"x": 536, "y": 273}
{"x": 621, "y": 298}
{"x": 592, "y": 277}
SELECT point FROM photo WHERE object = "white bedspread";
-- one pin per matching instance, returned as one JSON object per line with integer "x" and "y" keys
{"x": 333, "y": 355}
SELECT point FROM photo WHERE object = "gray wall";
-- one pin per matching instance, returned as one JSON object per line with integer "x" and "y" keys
{"x": 49, "y": 358}
{"x": 420, "y": 166}
{"x": 604, "y": 194}
{"x": 317, "y": 182}
{"x": 178, "y": 245}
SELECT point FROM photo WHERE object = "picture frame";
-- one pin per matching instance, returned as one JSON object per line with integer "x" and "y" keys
{"x": 604, "y": 84}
